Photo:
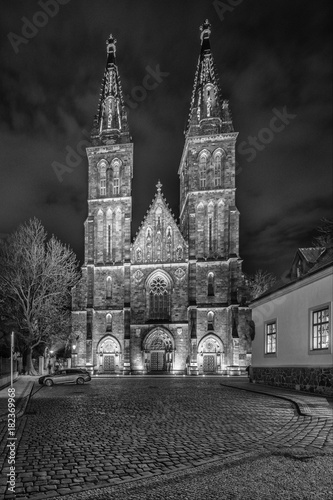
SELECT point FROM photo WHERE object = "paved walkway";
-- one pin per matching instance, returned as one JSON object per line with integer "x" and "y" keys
{"x": 23, "y": 387}
{"x": 306, "y": 403}
{"x": 109, "y": 433}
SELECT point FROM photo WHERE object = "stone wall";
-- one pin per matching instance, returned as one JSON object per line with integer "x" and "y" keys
{"x": 318, "y": 380}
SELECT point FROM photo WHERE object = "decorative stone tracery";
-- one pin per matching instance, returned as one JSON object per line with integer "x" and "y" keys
{"x": 210, "y": 354}
{"x": 158, "y": 351}
{"x": 109, "y": 355}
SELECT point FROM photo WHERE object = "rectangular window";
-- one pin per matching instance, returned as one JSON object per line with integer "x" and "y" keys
{"x": 115, "y": 186}
{"x": 270, "y": 336}
{"x": 320, "y": 328}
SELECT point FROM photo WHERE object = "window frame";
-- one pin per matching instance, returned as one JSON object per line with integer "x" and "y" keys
{"x": 203, "y": 160}
{"x": 103, "y": 186}
{"x": 210, "y": 284}
{"x": 217, "y": 170}
{"x": 312, "y": 312}
{"x": 267, "y": 335}
{"x": 116, "y": 186}
{"x": 108, "y": 322}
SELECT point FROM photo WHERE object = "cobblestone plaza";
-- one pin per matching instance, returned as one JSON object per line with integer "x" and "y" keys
{"x": 111, "y": 431}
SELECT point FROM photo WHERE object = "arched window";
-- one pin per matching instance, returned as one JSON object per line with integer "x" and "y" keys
{"x": 102, "y": 179}
{"x": 202, "y": 171}
{"x": 116, "y": 164}
{"x": 118, "y": 236}
{"x": 99, "y": 235}
{"x": 211, "y": 285}
{"x": 109, "y": 322}
{"x": 217, "y": 170}
{"x": 210, "y": 320}
{"x": 109, "y": 235}
{"x": 211, "y": 228}
{"x": 108, "y": 287}
{"x": 116, "y": 181}
{"x": 159, "y": 298}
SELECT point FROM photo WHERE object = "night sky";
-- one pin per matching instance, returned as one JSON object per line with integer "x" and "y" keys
{"x": 270, "y": 56}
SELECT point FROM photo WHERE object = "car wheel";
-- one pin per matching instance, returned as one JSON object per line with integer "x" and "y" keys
{"x": 48, "y": 382}
{"x": 80, "y": 380}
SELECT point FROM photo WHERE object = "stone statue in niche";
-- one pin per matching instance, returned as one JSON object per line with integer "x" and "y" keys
{"x": 179, "y": 253}
{"x": 148, "y": 247}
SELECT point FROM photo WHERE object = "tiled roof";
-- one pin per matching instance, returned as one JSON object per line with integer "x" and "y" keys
{"x": 312, "y": 254}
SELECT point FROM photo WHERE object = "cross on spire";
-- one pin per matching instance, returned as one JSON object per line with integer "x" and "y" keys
{"x": 205, "y": 29}
{"x": 159, "y": 186}
{"x": 111, "y": 45}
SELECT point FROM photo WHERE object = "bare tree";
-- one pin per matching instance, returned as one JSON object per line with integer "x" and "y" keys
{"x": 36, "y": 277}
{"x": 325, "y": 236}
{"x": 259, "y": 283}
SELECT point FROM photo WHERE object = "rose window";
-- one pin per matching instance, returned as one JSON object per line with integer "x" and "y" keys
{"x": 158, "y": 298}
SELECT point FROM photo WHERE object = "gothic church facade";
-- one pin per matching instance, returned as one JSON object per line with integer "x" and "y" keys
{"x": 171, "y": 301}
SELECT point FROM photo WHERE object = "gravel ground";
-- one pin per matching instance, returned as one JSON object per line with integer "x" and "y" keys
{"x": 293, "y": 474}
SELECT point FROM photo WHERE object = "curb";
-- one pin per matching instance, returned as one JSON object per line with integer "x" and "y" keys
{"x": 300, "y": 407}
{"x": 22, "y": 402}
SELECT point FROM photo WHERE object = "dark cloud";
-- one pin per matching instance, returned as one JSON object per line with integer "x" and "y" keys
{"x": 269, "y": 55}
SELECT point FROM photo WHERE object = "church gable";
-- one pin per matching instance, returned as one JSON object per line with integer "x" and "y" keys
{"x": 159, "y": 238}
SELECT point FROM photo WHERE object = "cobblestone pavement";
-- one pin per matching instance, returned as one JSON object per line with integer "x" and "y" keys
{"x": 75, "y": 438}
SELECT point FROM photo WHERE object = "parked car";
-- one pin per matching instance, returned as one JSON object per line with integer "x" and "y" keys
{"x": 67, "y": 376}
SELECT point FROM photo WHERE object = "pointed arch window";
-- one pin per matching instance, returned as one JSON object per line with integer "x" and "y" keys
{"x": 100, "y": 218}
{"x": 108, "y": 246}
{"x": 159, "y": 298}
{"x": 109, "y": 322}
{"x": 109, "y": 287}
{"x": 210, "y": 320}
{"x": 202, "y": 171}
{"x": 102, "y": 179}
{"x": 217, "y": 170}
{"x": 116, "y": 164}
{"x": 211, "y": 285}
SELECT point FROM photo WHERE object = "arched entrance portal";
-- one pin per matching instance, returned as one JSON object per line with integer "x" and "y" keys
{"x": 210, "y": 355}
{"x": 158, "y": 351}
{"x": 109, "y": 355}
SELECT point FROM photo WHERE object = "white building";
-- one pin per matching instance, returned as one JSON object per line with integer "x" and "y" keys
{"x": 293, "y": 327}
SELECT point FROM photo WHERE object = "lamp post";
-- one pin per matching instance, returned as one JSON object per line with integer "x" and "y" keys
{"x": 73, "y": 355}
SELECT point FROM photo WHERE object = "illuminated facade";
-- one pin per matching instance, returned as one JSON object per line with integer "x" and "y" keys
{"x": 171, "y": 301}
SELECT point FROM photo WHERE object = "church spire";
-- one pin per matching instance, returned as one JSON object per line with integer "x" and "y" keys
{"x": 110, "y": 124}
{"x": 209, "y": 113}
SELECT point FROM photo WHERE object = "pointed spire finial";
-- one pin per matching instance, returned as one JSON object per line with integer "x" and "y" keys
{"x": 159, "y": 186}
{"x": 205, "y": 29}
{"x": 111, "y": 45}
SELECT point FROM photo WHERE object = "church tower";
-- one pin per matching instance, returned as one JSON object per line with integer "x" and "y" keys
{"x": 209, "y": 219}
{"x": 103, "y": 330}
{"x": 170, "y": 301}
